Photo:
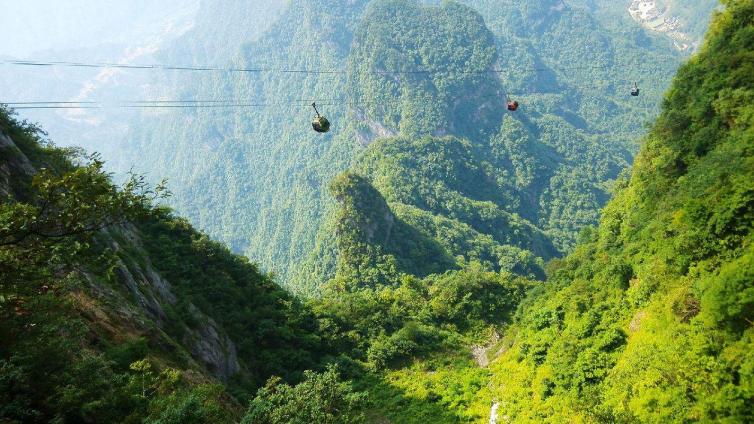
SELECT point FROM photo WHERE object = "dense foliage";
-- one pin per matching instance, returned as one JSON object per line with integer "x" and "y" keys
{"x": 49, "y": 223}
{"x": 320, "y": 398}
{"x": 426, "y": 251}
{"x": 63, "y": 262}
{"x": 266, "y": 173}
{"x": 273, "y": 333}
{"x": 386, "y": 325}
{"x": 650, "y": 320}
{"x": 512, "y": 192}
{"x": 80, "y": 343}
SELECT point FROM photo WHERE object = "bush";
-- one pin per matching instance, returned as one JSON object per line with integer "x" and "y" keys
{"x": 321, "y": 398}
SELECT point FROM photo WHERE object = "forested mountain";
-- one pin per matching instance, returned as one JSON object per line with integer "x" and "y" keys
{"x": 266, "y": 174}
{"x": 650, "y": 319}
{"x": 116, "y": 311}
{"x": 260, "y": 168}
{"x": 428, "y": 223}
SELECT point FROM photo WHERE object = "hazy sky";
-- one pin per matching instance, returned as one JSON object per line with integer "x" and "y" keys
{"x": 28, "y": 26}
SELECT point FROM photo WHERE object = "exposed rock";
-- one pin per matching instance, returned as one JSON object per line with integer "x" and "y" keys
{"x": 207, "y": 343}
{"x": 493, "y": 413}
{"x": 481, "y": 352}
{"x": 160, "y": 284}
{"x": 374, "y": 129}
{"x": 213, "y": 348}
{"x": 480, "y": 355}
{"x": 635, "y": 324}
{"x": 13, "y": 165}
{"x": 144, "y": 298}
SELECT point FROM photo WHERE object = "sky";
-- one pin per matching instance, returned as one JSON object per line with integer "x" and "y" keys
{"x": 28, "y": 27}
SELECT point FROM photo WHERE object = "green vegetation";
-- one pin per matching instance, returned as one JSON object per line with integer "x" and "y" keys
{"x": 509, "y": 192}
{"x": 320, "y": 398}
{"x": 81, "y": 343}
{"x": 51, "y": 371}
{"x": 253, "y": 310}
{"x": 71, "y": 244}
{"x": 546, "y": 171}
{"x": 428, "y": 306}
{"x": 650, "y": 319}
{"x": 385, "y": 326}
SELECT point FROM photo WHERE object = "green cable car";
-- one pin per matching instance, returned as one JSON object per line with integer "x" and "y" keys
{"x": 320, "y": 124}
{"x": 635, "y": 90}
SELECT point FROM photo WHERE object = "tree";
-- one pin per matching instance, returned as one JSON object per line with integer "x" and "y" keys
{"x": 321, "y": 398}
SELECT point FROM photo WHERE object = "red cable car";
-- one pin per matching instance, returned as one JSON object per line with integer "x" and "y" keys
{"x": 512, "y": 105}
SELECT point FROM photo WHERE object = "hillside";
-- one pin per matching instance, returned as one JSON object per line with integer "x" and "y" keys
{"x": 650, "y": 320}
{"x": 101, "y": 290}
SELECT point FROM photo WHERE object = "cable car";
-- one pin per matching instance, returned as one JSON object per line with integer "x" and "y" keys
{"x": 512, "y": 105}
{"x": 635, "y": 90}
{"x": 320, "y": 124}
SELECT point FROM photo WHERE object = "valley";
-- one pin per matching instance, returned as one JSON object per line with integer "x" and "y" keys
{"x": 433, "y": 256}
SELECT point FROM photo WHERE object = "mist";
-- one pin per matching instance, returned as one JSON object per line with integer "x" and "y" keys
{"x": 34, "y": 26}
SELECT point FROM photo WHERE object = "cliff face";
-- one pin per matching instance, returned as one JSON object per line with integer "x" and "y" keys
{"x": 144, "y": 299}
{"x": 13, "y": 164}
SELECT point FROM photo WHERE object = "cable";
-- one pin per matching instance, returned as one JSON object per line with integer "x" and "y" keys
{"x": 24, "y": 103}
{"x": 503, "y": 96}
{"x": 124, "y": 66}
{"x": 146, "y": 104}
{"x": 95, "y": 105}
{"x": 218, "y": 103}
{"x": 283, "y": 70}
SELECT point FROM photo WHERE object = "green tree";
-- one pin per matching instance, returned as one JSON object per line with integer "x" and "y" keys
{"x": 320, "y": 398}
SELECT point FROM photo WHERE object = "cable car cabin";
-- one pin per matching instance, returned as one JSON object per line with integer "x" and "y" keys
{"x": 512, "y": 105}
{"x": 635, "y": 90}
{"x": 320, "y": 124}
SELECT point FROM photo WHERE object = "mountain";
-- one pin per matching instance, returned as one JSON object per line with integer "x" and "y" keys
{"x": 508, "y": 190}
{"x": 650, "y": 319}
{"x": 433, "y": 302}
{"x": 102, "y": 293}
{"x": 105, "y": 32}
{"x": 266, "y": 174}
{"x": 267, "y": 177}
